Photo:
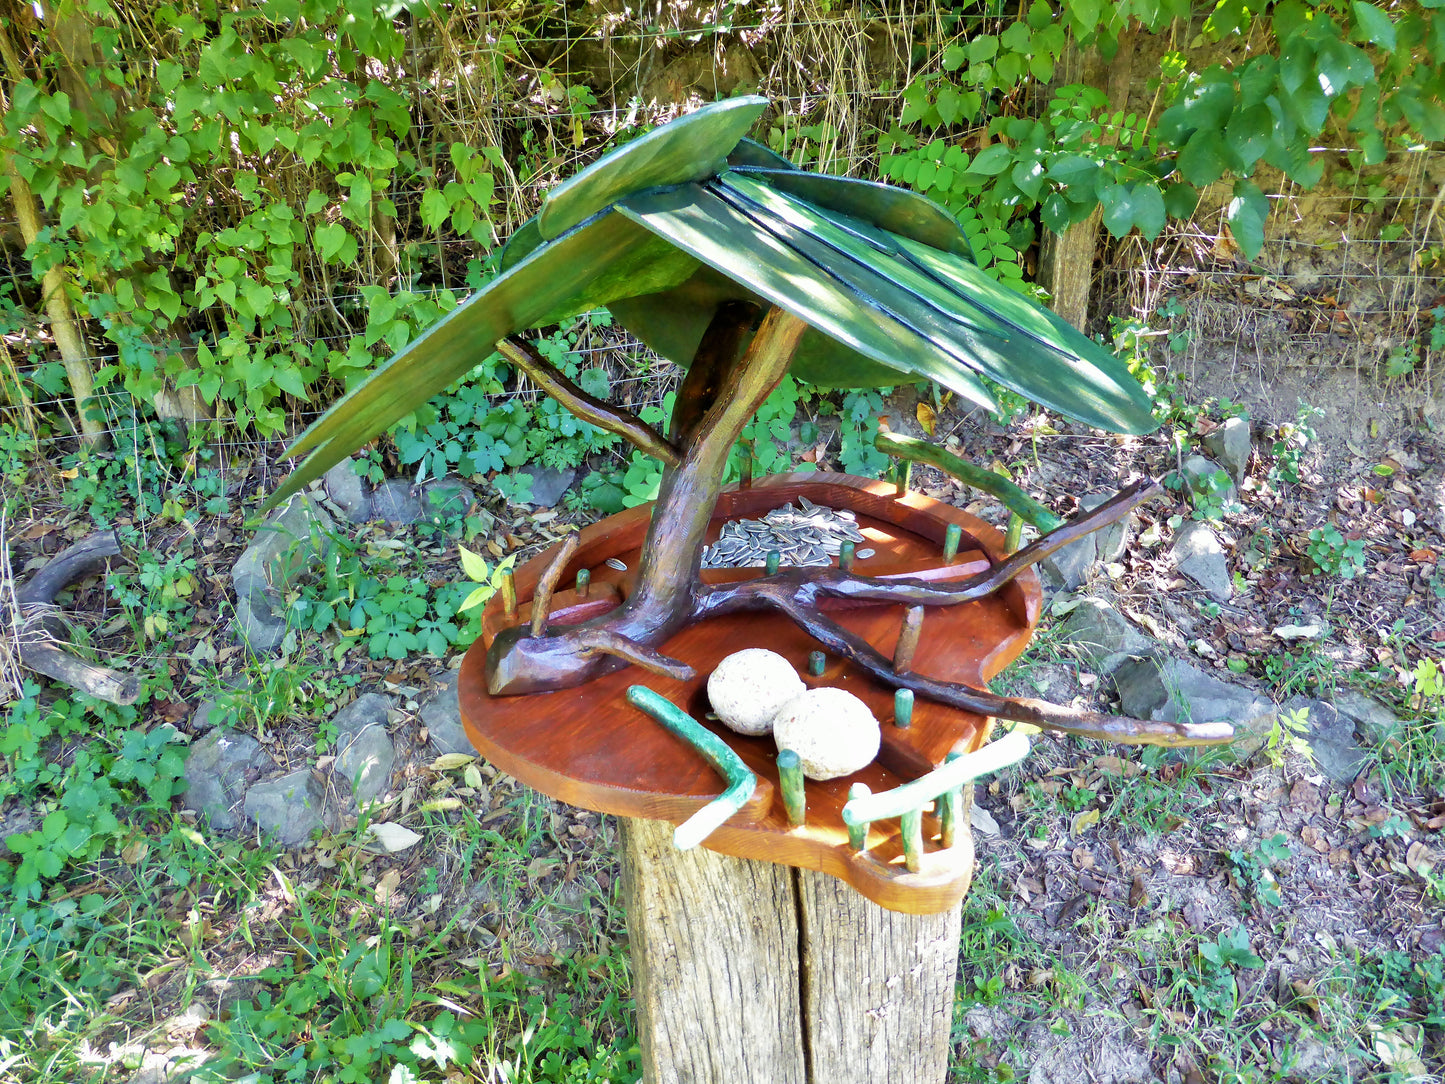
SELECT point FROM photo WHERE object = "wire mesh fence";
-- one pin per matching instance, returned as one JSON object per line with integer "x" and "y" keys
{"x": 1352, "y": 263}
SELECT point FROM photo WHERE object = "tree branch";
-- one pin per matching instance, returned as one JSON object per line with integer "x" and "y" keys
{"x": 589, "y": 408}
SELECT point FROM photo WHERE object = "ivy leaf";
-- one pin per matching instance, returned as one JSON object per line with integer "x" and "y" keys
{"x": 1248, "y": 133}
{"x": 1055, "y": 212}
{"x": 57, "y": 107}
{"x": 1374, "y": 25}
{"x": 1127, "y": 206}
{"x": 1246, "y": 215}
{"x": 1073, "y": 169}
{"x": 434, "y": 208}
{"x": 992, "y": 160}
{"x": 1180, "y": 200}
{"x": 329, "y": 239}
{"x": 1149, "y": 211}
{"x": 1200, "y": 162}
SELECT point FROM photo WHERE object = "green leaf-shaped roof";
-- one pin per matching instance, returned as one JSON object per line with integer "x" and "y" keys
{"x": 664, "y": 229}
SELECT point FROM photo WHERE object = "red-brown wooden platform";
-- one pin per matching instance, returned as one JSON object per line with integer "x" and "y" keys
{"x": 589, "y": 747}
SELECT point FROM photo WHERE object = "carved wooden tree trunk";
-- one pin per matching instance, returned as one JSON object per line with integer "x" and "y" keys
{"x": 751, "y": 973}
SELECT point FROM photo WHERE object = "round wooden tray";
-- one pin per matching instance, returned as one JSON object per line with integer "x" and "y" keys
{"x": 589, "y": 747}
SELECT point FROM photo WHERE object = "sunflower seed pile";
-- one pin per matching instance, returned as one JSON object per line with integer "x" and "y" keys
{"x": 810, "y": 534}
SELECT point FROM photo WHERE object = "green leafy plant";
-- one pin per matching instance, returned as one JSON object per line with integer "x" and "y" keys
{"x": 1290, "y": 442}
{"x": 1212, "y": 980}
{"x": 1287, "y": 733}
{"x": 1254, "y": 870}
{"x": 1334, "y": 555}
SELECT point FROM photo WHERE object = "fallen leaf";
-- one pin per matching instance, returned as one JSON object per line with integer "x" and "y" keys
{"x": 927, "y": 418}
{"x": 981, "y": 820}
{"x": 135, "y": 851}
{"x": 1420, "y": 858}
{"x": 394, "y": 837}
{"x": 386, "y": 887}
{"x": 1138, "y": 893}
{"x": 1082, "y": 822}
{"x": 1082, "y": 859}
{"x": 450, "y": 762}
{"x": 1072, "y": 911}
{"x": 1398, "y": 1049}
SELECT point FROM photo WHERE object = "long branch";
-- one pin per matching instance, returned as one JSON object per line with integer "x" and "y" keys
{"x": 589, "y": 408}
{"x": 1062, "y": 720}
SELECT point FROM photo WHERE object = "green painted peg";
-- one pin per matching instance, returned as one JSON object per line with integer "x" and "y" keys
{"x": 509, "y": 592}
{"x": 950, "y": 809}
{"x": 952, "y": 536}
{"x": 911, "y": 825}
{"x": 584, "y": 582}
{"x": 817, "y": 663}
{"x": 790, "y": 776}
{"x": 741, "y": 782}
{"x": 903, "y": 708}
{"x": 857, "y": 831}
{"x": 774, "y": 560}
{"x": 745, "y": 478}
{"x": 905, "y": 479}
{"x": 845, "y": 556}
{"x": 1015, "y": 533}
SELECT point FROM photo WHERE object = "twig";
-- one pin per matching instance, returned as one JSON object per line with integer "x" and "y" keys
{"x": 542, "y": 597}
{"x": 589, "y": 408}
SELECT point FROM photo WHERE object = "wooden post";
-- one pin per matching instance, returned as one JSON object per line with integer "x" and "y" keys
{"x": 747, "y": 972}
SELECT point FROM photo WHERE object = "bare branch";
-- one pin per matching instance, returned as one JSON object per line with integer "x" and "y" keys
{"x": 603, "y": 642}
{"x": 542, "y": 596}
{"x": 589, "y": 408}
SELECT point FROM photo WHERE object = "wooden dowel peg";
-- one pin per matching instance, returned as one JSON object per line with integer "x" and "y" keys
{"x": 952, "y": 536}
{"x": 584, "y": 582}
{"x": 774, "y": 559}
{"x": 1015, "y": 533}
{"x": 911, "y": 825}
{"x": 905, "y": 479}
{"x": 903, "y": 708}
{"x": 950, "y": 809}
{"x": 845, "y": 556}
{"x": 908, "y": 639}
{"x": 790, "y": 776}
{"x": 509, "y": 593}
{"x": 817, "y": 663}
{"x": 858, "y": 833}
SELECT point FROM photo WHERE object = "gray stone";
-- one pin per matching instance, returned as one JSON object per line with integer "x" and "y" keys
{"x": 1374, "y": 720}
{"x": 217, "y": 771}
{"x": 444, "y": 498}
{"x": 1198, "y": 469}
{"x": 1168, "y": 690}
{"x": 1199, "y": 555}
{"x": 171, "y": 1066}
{"x": 1102, "y": 637}
{"x": 293, "y": 537}
{"x": 442, "y": 717}
{"x": 1331, "y": 739}
{"x": 395, "y": 501}
{"x": 349, "y": 491}
{"x": 1231, "y": 445}
{"x": 548, "y": 483}
{"x": 365, "y": 755}
{"x": 1070, "y": 566}
{"x": 15, "y": 821}
{"x": 289, "y": 808}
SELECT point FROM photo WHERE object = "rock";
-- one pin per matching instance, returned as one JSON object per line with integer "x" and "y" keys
{"x": 1197, "y": 472}
{"x": 349, "y": 491}
{"x": 365, "y": 755}
{"x": 1102, "y": 637}
{"x": 1377, "y": 722}
{"x": 17, "y": 820}
{"x": 749, "y": 686}
{"x": 289, "y": 808}
{"x": 179, "y": 1063}
{"x": 442, "y": 717}
{"x": 548, "y": 483}
{"x": 395, "y": 501}
{"x": 1331, "y": 739}
{"x": 446, "y": 498}
{"x": 1070, "y": 566}
{"x": 1199, "y": 555}
{"x": 1168, "y": 690}
{"x": 832, "y": 731}
{"x": 293, "y": 537}
{"x": 218, "y": 769}
{"x": 1231, "y": 445}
